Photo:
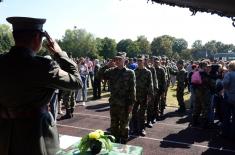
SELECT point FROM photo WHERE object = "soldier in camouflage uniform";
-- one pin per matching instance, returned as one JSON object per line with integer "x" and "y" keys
{"x": 69, "y": 103}
{"x": 181, "y": 78}
{"x": 123, "y": 96}
{"x": 68, "y": 100}
{"x": 160, "y": 95}
{"x": 167, "y": 77}
{"x": 151, "y": 114}
{"x": 144, "y": 91}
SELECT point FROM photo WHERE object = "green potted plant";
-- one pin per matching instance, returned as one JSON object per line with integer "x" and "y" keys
{"x": 95, "y": 141}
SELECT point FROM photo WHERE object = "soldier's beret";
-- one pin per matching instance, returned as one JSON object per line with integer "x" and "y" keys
{"x": 26, "y": 23}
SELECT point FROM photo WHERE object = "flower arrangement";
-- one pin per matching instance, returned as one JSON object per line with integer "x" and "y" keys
{"x": 96, "y": 141}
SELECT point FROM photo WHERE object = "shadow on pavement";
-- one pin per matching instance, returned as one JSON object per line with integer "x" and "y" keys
{"x": 186, "y": 137}
{"x": 99, "y": 107}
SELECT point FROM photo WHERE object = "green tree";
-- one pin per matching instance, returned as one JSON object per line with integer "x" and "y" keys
{"x": 162, "y": 45}
{"x": 186, "y": 54}
{"x": 107, "y": 47}
{"x": 6, "y": 38}
{"x": 133, "y": 49}
{"x": 143, "y": 44}
{"x": 224, "y": 48}
{"x": 197, "y": 45}
{"x": 210, "y": 47}
{"x": 179, "y": 45}
{"x": 196, "y": 50}
{"x": 80, "y": 43}
{"x": 123, "y": 44}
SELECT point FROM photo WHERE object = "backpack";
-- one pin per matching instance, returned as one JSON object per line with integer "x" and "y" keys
{"x": 196, "y": 78}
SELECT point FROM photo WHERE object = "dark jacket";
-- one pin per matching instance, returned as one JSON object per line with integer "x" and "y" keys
{"x": 27, "y": 84}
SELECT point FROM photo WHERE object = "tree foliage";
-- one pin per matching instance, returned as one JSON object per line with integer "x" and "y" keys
{"x": 123, "y": 44}
{"x": 143, "y": 45}
{"x": 162, "y": 45}
{"x": 106, "y": 47}
{"x": 80, "y": 43}
{"x": 179, "y": 45}
{"x": 6, "y": 38}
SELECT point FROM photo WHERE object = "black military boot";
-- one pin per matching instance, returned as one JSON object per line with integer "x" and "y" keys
{"x": 194, "y": 122}
{"x": 67, "y": 115}
{"x": 149, "y": 124}
{"x": 142, "y": 133}
{"x": 71, "y": 111}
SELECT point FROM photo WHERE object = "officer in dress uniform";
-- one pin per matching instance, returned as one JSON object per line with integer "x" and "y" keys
{"x": 27, "y": 85}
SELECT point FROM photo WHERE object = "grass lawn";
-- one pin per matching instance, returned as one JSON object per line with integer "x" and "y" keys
{"x": 171, "y": 96}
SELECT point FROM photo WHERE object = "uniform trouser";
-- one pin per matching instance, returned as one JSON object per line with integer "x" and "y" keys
{"x": 69, "y": 99}
{"x": 138, "y": 115}
{"x": 97, "y": 88}
{"x": 228, "y": 126}
{"x": 202, "y": 101}
{"x": 119, "y": 121}
{"x": 156, "y": 104}
{"x": 151, "y": 114}
{"x": 180, "y": 97}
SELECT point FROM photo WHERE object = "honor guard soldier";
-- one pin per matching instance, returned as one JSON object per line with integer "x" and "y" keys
{"x": 27, "y": 85}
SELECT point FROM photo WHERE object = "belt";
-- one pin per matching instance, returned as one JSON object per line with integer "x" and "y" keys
{"x": 9, "y": 113}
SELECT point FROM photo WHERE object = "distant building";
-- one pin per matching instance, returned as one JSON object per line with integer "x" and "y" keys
{"x": 224, "y": 56}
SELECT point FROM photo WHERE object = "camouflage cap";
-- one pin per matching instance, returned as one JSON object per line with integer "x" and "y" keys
{"x": 153, "y": 57}
{"x": 157, "y": 59}
{"x": 121, "y": 55}
{"x": 146, "y": 56}
{"x": 140, "y": 57}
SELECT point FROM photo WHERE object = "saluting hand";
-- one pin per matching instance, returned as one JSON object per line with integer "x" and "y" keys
{"x": 52, "y": 45}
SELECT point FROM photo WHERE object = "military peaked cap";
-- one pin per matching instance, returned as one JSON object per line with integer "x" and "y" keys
{"x": 26, "y": 23}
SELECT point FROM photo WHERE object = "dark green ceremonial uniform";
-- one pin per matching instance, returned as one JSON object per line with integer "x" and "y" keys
{"x": 27, "y": 84}
{"x": 123, "y": 95}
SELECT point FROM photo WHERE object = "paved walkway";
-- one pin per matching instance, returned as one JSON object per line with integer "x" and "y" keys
{"x": 168, "y": 136}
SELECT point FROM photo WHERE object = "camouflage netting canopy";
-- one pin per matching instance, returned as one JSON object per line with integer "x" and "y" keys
{"x": 221, "y": 7}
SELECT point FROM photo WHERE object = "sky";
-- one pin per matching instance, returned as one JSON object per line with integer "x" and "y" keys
{"x": 122, "y": 19}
